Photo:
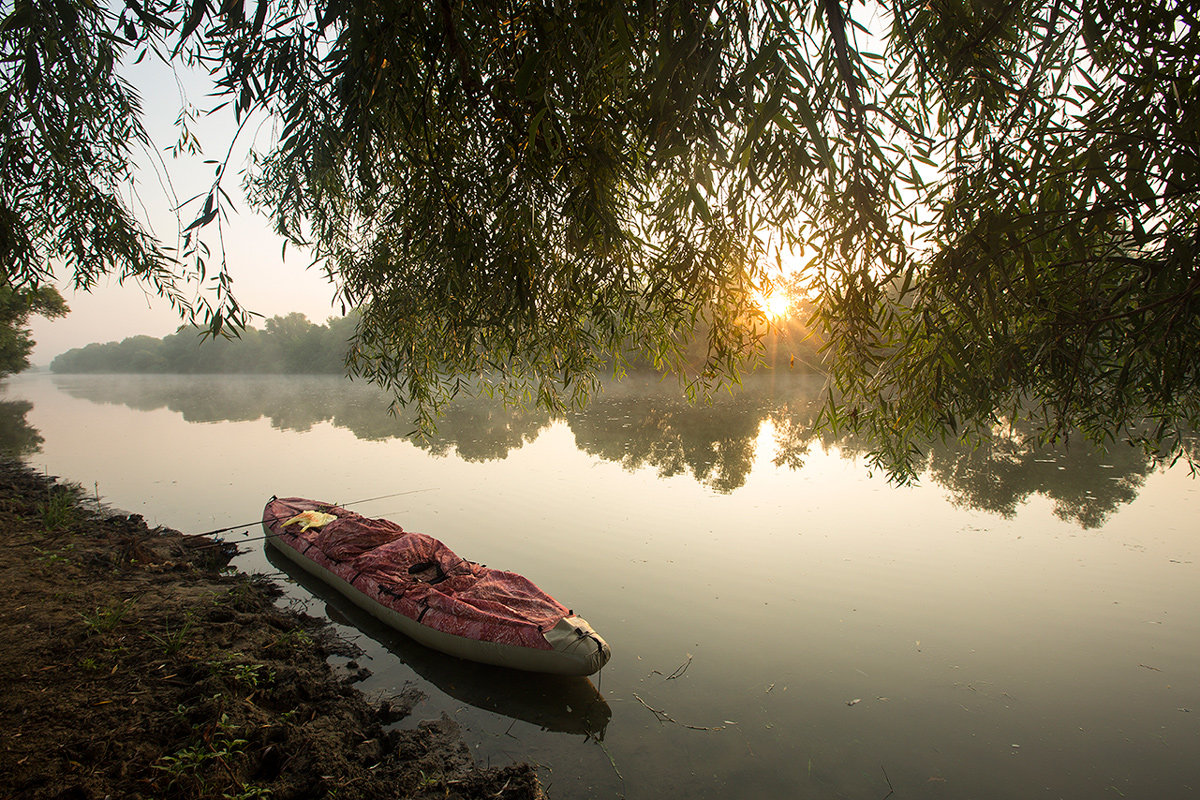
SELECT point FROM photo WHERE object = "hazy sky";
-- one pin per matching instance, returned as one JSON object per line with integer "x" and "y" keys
{"x": 262, "y": 279}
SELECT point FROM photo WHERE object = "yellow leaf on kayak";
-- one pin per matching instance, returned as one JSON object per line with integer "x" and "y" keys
{"x": 311, "y": 519}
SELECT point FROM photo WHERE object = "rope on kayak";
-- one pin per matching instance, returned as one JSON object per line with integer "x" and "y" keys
{"x": 308, "y": 543}
{"x": 277, "y": 519}
{"x": 225, "y": 543}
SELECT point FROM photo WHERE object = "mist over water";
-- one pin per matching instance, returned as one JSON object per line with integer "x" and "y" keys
{"x": 783, "y": 623}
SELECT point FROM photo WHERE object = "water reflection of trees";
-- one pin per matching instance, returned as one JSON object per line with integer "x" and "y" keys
{"x": 1084, "y": 483}
{"x": 714, "y": 443}
{"x": 641, "y": 423}
{"x": 18, "y": 438}
{"x": 478, "y": 429}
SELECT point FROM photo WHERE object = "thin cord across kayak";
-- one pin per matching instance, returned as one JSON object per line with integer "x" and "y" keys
{"x": 340, "y": 505}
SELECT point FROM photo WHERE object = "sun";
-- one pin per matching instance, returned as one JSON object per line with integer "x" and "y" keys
{"x": 775, "y": 305}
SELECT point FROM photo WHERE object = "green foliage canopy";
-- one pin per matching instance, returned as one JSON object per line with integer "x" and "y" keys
{"x": 16, "y": 306}
{"x": 996, "y": 203}
{"x": 68, "y": 126}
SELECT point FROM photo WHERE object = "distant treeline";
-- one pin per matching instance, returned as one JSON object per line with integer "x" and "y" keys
{"x": 288, "y": 345}
{"x": 293, "y": 345}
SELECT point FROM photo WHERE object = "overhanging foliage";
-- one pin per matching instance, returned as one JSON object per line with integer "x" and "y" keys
{"x": 995, "y": 203}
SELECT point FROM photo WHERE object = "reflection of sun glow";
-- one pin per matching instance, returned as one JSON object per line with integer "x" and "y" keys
{"x": 775, "y": 305}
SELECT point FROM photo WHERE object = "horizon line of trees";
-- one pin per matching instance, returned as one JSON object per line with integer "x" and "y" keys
{"x": 293, "y": 345}
{"x": 289, "y": 344}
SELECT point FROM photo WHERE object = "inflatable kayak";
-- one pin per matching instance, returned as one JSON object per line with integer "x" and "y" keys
{"x": 419, "y": 586}
{"x": 557, "y": 703}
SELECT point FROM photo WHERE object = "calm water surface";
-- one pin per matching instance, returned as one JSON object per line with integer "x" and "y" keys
{"x": 783, "y": 623}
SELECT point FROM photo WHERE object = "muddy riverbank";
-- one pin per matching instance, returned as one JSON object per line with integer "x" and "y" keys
{"x": 137, "y": 664}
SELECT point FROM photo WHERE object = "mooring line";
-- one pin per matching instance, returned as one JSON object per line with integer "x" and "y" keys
{"x": 339, "y": 505}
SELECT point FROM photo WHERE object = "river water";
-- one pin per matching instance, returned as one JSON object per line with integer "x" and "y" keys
{"x": 784, "y": 623}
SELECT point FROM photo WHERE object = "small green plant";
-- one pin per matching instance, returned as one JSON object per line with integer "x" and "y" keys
{"x": 292, "y": 640}
{"x": 53, "y": 556}
{"x": 251, "y": 676}
{"x": 89, "y": 663}
{"x": 186, "y": 759}
{"x": 103, "y": 620}
{"x": 59, "y": 511}
{"x": 190, "y": 763}
{"x": 172, "y": 640}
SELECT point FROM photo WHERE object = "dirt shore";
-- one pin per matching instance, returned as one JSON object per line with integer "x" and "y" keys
{"x": 137, "y": 665}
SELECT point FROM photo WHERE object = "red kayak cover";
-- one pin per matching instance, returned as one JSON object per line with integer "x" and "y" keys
{"x": 419, "y": 577}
